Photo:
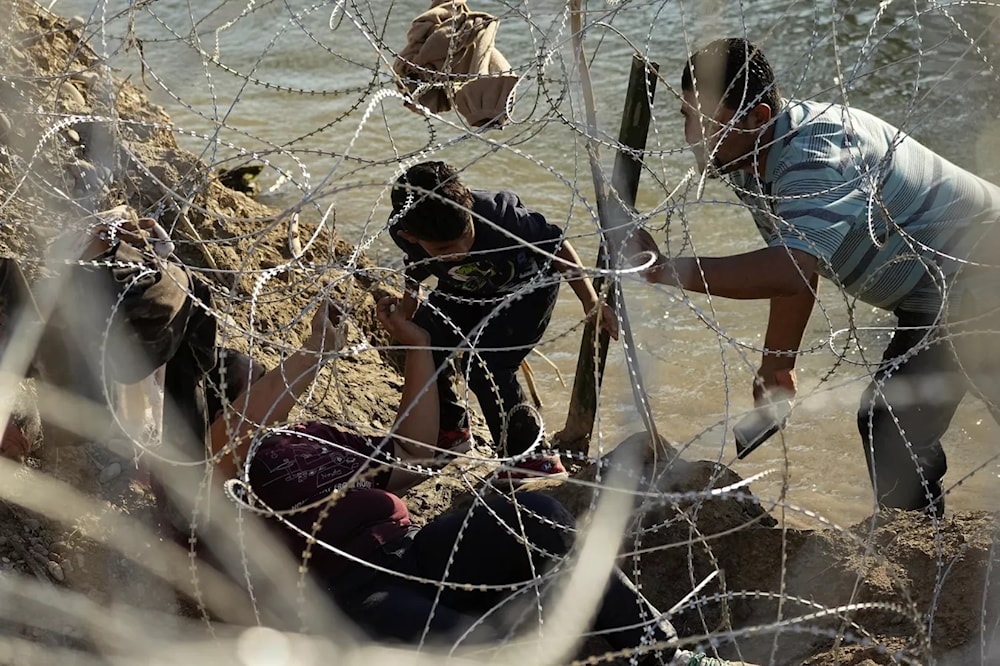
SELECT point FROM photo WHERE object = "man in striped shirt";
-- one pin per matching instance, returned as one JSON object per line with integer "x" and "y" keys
{"x": 839, "y": 193}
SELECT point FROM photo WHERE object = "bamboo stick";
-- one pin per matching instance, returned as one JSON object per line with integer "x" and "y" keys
{"x": 613, "y": 212}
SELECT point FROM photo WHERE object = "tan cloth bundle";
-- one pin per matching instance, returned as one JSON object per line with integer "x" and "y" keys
{"x": 450, "y": 53}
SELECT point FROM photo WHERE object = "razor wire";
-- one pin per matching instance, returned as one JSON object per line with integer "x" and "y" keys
{"x": 305, "y": 93}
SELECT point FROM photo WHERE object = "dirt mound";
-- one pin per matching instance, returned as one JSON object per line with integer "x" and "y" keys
{"x": 74, "y": 139}
{"x": 896, "y": 588}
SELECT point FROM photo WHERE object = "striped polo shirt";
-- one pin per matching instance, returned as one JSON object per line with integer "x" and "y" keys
{"x": 887, "y": 218}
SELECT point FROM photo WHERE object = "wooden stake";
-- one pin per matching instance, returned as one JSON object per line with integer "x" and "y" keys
{"x": 614, "y": 209}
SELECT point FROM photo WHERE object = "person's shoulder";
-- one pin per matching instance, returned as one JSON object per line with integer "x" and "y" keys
{"x": 807, "y": 118}
{"x": 805, "y": 110}
{"x": 810, "y": 132}
{"x": 494, "y": 200}
{"x": 502, "y": 207}
{"x": 804, "y": 118}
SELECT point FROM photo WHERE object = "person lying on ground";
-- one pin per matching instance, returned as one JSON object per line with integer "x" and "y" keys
{"x": 512, "y": 544}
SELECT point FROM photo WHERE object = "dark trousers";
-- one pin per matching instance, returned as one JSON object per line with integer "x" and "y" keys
{"x": 499, "y": 543}
{"x": 925, "y": 372}
{"x": 494, "y": 339}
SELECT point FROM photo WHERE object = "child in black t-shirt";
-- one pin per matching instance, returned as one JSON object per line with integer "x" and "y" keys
{"x": 496, "y": 263}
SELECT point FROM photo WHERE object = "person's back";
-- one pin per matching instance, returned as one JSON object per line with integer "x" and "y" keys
{"x": 881, "y": 211}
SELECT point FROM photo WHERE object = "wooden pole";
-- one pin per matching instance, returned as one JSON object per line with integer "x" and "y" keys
{"x": 614, "y": 209}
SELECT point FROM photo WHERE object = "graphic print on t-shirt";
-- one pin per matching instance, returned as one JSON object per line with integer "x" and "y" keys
{"x": 483, "y": 276}
{"x": 306, "y": 469}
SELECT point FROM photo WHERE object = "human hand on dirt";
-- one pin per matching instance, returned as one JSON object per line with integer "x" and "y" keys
{"x": 329, "y": 329}
{"x": 394, "y": 320}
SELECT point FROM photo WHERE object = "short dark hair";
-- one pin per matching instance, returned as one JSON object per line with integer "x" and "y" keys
{"x": 746, "y": 76}
{"x": 430, "y": 202}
